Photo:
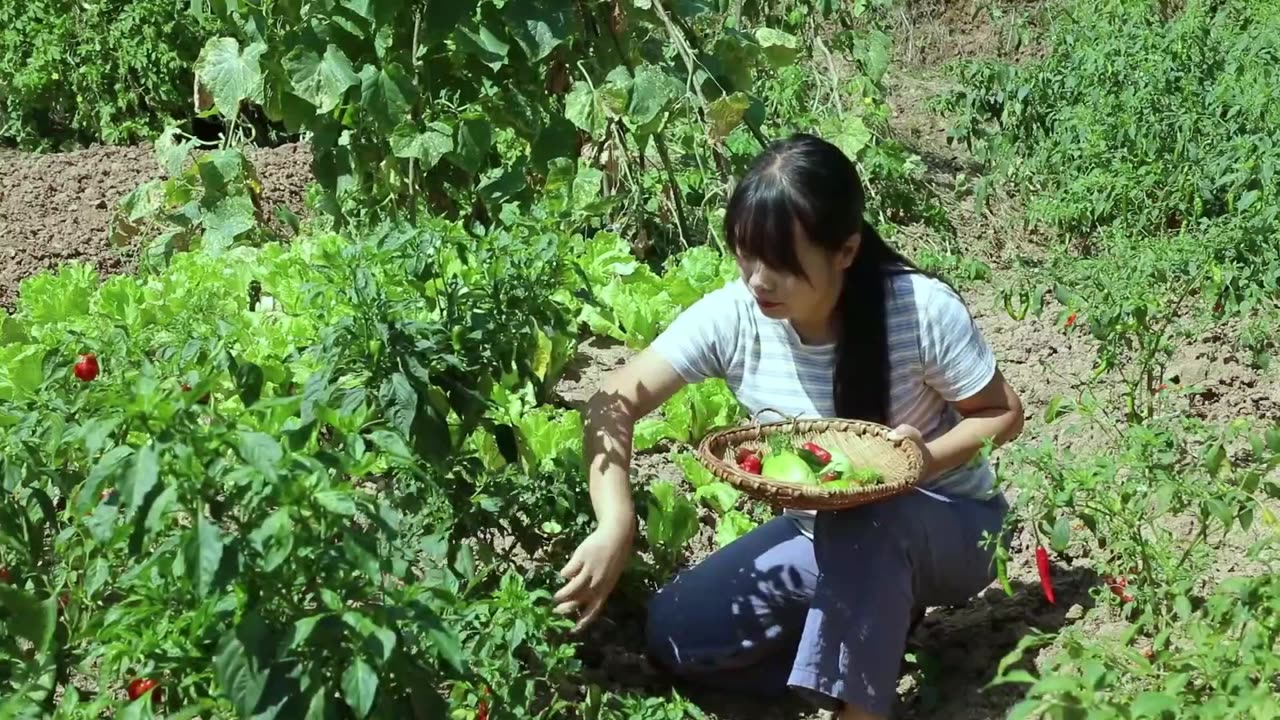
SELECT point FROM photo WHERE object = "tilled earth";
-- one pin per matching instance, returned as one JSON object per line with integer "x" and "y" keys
{"x": 58, "y": 207}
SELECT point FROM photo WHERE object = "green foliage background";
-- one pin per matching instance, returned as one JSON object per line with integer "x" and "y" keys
{"x": 110, "y": 71}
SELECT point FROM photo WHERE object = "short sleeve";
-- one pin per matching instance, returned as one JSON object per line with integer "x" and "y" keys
{"x": 956, "y": 358}
{"x": 699, "y": 343}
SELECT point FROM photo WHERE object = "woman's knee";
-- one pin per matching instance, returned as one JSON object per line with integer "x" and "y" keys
{"x": 692, "y": 632}
{"x": 662, "y": 619}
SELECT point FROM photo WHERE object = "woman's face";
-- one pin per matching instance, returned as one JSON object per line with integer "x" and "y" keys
{"x": 801, "y": 298}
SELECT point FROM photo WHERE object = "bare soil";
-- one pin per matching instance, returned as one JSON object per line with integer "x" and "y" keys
{"x": 58, "y": 207}
{"x": 933, "y": 33}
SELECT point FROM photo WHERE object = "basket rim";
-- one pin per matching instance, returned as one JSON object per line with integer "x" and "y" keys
{"x": 797, "y": 495}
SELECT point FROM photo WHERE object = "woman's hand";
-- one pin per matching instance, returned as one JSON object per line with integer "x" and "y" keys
{"x": 592, "y": 573}
{"x": 629, "y": 394}
{"x": 907, "y": 432}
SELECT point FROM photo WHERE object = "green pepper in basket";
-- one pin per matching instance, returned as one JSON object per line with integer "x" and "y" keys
{"x": 787, "y": 466}
{"x": 841, "y": 470}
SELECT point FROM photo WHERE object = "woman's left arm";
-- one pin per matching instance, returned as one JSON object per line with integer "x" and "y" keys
{"x": 994, "y": 412}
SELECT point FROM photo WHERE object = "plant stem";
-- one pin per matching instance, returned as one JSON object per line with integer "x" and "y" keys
{"x": 417, "y": 66}
{"x": 831, "y": 67}
{"x": 660, "y": 141}
{"x": 681, "y": 223}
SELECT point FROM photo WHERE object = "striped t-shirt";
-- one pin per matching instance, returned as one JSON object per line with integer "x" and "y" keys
{"x": 937, "y": 355}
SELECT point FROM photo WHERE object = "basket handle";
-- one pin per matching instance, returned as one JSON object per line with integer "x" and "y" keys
{"x": 755, "y": 417}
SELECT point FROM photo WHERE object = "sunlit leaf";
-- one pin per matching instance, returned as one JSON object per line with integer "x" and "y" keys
{"x": 429, "y": 145}
{"x": 726, "y": 113}
{"x": 780, "y": 48}
{"x": 321, "y": 81}
{"x": 539, "y": 27}
{"x": 652, "y": 94}
{"x": 360, "y": 687}
{"x": 232, "y": 76}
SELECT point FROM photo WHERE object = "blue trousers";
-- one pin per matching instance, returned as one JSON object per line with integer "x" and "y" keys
{"x": 775, "y": 611}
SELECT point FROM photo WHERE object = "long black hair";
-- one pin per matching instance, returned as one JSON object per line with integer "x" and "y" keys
{"x": 808, "y": 181}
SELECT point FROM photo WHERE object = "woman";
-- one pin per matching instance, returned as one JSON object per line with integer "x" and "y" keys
{"x": 826, "y": 320}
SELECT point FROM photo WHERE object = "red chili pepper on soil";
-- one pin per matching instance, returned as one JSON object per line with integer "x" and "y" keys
{"x": 1042, "y": 562}
{"x": 86, "y": 367}
{"x": 1117, "y": 587}
{"x": 1071, "y": 319}
{"x": 821, "y": 454}
{"x": 140, "y": 686}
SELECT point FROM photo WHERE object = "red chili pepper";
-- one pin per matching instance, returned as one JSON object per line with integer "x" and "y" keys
{"x": 140, "y": 686}
{"x": 204, "y": 399}
{"x": 744, "y": 453}
{"x": 1071, "y": 319}
{"x": 86, "y": 367}
{"x": 5, "y": 577}
{"x": 482, "y": 708}
{"x": 1117, "y": 587}
{"x": 818, "y": 451}
{"x": 1042, "y": 562}
{"x": 752, "y": 464}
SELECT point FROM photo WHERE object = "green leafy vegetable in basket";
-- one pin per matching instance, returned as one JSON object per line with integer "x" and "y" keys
{"x": 787, "y": 466}
{"x": 806, "y": 464}
{"x": 842, "y": 470}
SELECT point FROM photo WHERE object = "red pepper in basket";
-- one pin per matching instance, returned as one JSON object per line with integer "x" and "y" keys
{"x": 1042, "y": 562}
{"x": 750, "y": 461}
{"x": 823, "y": 457}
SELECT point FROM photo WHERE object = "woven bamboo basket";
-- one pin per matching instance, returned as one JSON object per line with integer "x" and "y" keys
{"x": 866, "y": 444}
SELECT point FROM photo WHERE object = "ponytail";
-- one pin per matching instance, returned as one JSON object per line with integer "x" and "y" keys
{"x": 862, "y": 370}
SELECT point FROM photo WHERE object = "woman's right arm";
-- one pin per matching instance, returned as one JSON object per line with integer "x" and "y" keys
{"x": 626, "y": 396}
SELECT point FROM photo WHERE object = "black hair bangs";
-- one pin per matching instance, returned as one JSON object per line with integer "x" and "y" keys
{"x": 761, "y": 220}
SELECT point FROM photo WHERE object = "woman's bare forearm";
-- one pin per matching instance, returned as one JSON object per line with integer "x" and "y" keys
{"x": 609, "y": 426}
{"x": 962, "y": 443}
{"x": 995, "y": 413}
